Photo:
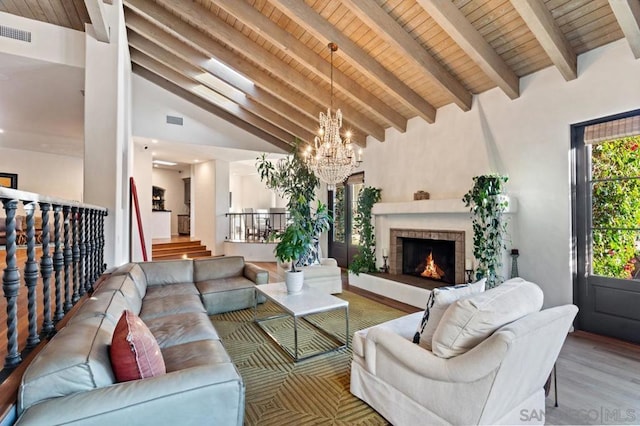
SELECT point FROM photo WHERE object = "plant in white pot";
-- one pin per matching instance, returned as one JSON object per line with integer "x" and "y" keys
{"x": 294, "y": 242}
{"x": 292, "y": 179}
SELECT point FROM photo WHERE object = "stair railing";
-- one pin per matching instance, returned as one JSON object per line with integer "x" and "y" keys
{"x": 73, "y": 258}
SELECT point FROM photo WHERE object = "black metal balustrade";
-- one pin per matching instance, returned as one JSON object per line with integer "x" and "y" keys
{"x": 255, "y": 227}
{"x": 76, "y": 263}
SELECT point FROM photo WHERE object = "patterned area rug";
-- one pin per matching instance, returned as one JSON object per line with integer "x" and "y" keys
{"x": 311, "y": 392}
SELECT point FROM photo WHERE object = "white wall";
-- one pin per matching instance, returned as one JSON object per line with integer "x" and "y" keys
{"x": 50, "y": 43}
{"x": 152, "y": 104}
{"x": 108, "y": 142}
{"x": 171, "y": 181}
{"x": 203, "y": 203}
{"x": 53, "y": 175}
{"x": 527, "y": 138}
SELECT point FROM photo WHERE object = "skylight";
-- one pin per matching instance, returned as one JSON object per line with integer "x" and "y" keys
{"x": 226, "y": 68}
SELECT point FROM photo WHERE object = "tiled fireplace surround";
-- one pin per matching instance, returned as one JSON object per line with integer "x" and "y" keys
{"x": 395, "y": 247}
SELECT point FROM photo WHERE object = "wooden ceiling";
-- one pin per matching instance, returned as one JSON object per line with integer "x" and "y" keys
{"x": 397, "y": 59}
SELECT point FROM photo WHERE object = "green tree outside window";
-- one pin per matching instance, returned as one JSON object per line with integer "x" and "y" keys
{"x": 615, "y": 189}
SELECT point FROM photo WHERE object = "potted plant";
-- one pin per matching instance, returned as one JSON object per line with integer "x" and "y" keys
{"x": 299, "y": 242}
{"x": 487, "y": 204}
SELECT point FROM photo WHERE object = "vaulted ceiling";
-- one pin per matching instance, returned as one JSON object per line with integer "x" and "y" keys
{"x": 397, "y": 59}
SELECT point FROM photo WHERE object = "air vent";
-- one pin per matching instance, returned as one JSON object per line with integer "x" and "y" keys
{"x": 174, "y": 120}
{"x": 15, "y": 34}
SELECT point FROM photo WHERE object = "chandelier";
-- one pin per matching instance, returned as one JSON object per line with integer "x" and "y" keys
{"x": 332, "y": 158}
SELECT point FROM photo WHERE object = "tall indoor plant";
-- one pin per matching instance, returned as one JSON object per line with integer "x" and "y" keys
{"x": 365, "y": 260}
{"x": 291, "y": 178}
{"x": 487, "y": 205}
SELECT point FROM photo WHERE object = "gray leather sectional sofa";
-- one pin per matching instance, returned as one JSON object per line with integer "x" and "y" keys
{"x": 71, "y": 379}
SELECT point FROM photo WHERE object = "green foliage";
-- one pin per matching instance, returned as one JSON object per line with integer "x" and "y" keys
{"x": 489, "y": 227}
{"x": 365, "y": 260}
{"x": 292, "y": 179}
{"x": 338, "y": 214}
{"x": 616, "y": 207}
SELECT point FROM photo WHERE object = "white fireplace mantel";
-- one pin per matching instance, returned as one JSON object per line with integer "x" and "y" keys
{"x": 448, "y": 205}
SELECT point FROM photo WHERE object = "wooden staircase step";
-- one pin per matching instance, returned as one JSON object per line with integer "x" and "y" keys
{"x": 174, "y": 250}
{"x": 189, "y": 249}
{"x": 183, "y": 255}
{"x": 178, "y": 244}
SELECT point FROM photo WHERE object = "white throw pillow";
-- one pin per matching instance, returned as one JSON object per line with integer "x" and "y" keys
{"x": 439, "y": 300}
{"x": 469, "y": 321}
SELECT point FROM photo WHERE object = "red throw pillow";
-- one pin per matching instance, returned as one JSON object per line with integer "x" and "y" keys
{"x": 134, "y": 351}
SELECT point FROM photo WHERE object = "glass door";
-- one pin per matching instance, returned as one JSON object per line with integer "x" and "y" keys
{"x": 344, "y": 240}
{"x": 607, "y": 231}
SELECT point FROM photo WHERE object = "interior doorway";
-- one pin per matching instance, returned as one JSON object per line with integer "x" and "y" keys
{"x": 606, "y": 212}
{"x": 344, "y": 240}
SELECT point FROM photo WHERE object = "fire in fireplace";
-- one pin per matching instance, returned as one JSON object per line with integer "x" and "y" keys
{"x": 430, "y": 259}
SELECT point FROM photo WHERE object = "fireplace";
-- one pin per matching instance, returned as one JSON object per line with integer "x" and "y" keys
{"x": 435, "y": 256}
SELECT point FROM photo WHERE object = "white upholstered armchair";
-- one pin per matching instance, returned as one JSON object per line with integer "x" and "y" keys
{"x": 325, "y": 276}
{"x": 499, "y": 381}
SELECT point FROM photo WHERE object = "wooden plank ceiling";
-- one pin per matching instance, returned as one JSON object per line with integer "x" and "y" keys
{"x": 397, "y": 59}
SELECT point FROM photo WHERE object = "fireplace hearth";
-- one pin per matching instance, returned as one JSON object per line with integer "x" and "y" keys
{"x": 432, "y": 257}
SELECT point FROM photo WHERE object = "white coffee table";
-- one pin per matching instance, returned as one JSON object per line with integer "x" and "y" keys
{"x": 298, "y": 306}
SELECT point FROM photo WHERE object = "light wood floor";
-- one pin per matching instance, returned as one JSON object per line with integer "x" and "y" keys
{"x": 598, "y": 377}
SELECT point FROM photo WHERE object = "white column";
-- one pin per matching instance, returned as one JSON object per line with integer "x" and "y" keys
{"x": 107, "y": 159}
{"x": 221, "y": 205}
{"x": 203, "y": 203}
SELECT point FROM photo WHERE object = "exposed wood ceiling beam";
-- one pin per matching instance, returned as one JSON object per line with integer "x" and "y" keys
{"x": 321, "y": 29}
{"x": 145, "y": 29}
{"x": 627, "y": 14}
{"x": 217, "y": 28}
{"x": 286, "y": 139}
{"x": 453, "y": 22}
{"x": 395, "y": 35}
{"x": 165, "y": 24}
{"x": 207, "y": 106}
{"x": 157, "y": 53}
{"x": 97, "y": 12}
{"x": 539, "y": 20}
{"x": 314, "y": 62}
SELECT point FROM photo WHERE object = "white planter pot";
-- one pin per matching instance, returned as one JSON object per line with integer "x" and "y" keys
{"x": 294, "y": 281}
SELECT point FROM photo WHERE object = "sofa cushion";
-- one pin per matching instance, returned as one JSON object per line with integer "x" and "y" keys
{"x": 75, "y": 360}
{"x": 134, "y": 352}
{"x": 125, "y": 285}
{"x": 168, "y": 272}
{"x": 469, "y": 321}
{"x": 438, "y": 302}
{"x": 194, "y": 354}
{"x": 105, "y": 303}
{"x": 218, "y": 267}
{"x": 223, "y": 284}
{"x": 170, "y": 290}
{"x": 177, "y": 304}
{"x": 137, "y": 275}
{"x": 176, "y": 329}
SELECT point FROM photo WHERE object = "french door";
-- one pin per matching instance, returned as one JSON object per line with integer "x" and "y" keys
{"x": 607, "y": 225}
{"x": 344, "y": 240}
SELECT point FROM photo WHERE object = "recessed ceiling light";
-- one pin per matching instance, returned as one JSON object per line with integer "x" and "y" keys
{"x": 164, "y": 163}
{"x": 196, "y": 161}
{"x": 154, "y": 140}
{"x": 1, "y": 130}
